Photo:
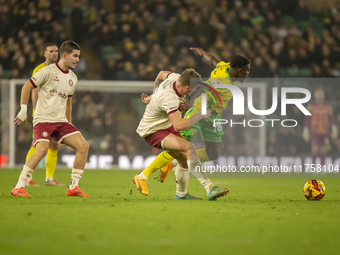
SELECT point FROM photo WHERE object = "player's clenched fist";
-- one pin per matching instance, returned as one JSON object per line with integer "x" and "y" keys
{"x": 22, "y": 115}
{"x": 199, "y": 50}
{"x": 145, "y": 98}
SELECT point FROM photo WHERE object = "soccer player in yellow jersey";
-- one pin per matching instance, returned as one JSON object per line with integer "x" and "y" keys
{"x": 224, "y": 73}
{"x": 51, "y": 56}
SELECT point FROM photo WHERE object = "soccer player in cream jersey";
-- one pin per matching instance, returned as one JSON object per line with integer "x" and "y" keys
{"x": 224, "y": 73}
{"x": 52, "y": 119}
{"x": 51, "y": 56}
{"x": 160, "y": 127}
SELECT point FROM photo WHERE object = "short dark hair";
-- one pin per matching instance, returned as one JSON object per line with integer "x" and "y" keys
{"x": 48, "y": 45}
{"x": 239, "y": 61}
{"x": 68, "y": 47}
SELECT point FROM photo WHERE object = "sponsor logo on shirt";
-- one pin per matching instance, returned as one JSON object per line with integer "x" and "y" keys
{"x": 56, "y": 79}
{"x": 54, "y": 93}
{"x": 70, "y": 82}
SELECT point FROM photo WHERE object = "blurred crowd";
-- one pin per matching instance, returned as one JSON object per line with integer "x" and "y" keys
{"x": 139, "y": 38}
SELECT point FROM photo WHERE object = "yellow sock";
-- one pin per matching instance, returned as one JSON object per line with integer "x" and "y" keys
{"x": 202, "y": 155}
{"x": 30, "y": 152}
{"x": 51, "y": 162}
{"x": 161, "y": 160}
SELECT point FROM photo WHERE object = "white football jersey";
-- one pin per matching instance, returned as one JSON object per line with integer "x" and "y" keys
{"x": 54, "y": 88}
{"x": 164, "y": 101}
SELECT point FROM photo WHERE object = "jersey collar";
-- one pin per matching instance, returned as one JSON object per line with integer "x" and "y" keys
{"x": 174, "y": 86}
{"x": 230, "y": 80}
{"x": 61, "y": 69}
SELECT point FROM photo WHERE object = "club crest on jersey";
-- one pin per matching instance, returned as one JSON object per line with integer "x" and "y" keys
{"x": 54, "y": 93}
{"x": 70, "y": 82}
{"x": 44, "y": 134}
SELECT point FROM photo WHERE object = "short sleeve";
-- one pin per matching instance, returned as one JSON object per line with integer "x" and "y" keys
{"x": 170, "y": 104}
{"x": 173, "y": 76}
{"x": 40, "y": 78}
{"x": 74, "y": 86}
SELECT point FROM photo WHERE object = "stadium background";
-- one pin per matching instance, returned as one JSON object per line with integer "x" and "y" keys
{"x": 134, "y": 40}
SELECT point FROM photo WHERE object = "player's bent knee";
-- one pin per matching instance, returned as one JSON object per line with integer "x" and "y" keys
{"x": 84, "y": 147}
{"x": 41, "y": 151}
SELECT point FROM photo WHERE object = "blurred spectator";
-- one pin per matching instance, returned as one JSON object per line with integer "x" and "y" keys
{"x": 77, "y": 21}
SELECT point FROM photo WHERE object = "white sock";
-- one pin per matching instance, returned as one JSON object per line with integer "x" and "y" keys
{"x": 142, "y": 176}
{"x": 49, "y": 179}
{"x": 201, "y": 176}
{"x": 24, "y": 176}
{"x": 76, "y": 174}
{"x": 174, "y": 163}
{"x": 182, "y": 181}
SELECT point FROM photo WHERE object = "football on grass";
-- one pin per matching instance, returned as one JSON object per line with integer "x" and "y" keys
{"x": 314, "y": 190}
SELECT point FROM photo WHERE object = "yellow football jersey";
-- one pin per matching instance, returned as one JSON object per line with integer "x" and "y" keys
{"x": 219, "y": 75}
{"x": 38, "y": 68}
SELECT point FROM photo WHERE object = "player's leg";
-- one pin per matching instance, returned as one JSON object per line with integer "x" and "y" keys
{"x": 51, "y": 163}
{"x": 28, "y": 169}
{"x": 30, "y": 181}
{"x": 323, "y": 152}
{"x": 212, "y": 137}
{"x": 324, "y": 147}
{"x": 141, "y": 179}
{"x": 30, "y": 152}
{"x": 189, "y": 135}
{"x": 315, "y": 150}
{"x": 77, "y": 142}
{"x": 160, "y": 161}
{"x": 163, "y": 161}
{"x": 178, "y": 144}
{"x": 180, "y": 149}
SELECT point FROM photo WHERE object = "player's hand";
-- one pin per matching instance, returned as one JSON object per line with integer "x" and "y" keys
{"x": 199, "y": 50}
{"x": 305, "y": 134}
{"x": 22, "y": 115}
{"x": 183, "y": 107}
{"x": 145, "y": 98}
{"x": 334, "y": 133}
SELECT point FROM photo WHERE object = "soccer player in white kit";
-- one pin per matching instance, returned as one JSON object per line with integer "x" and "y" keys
{"x": 160, "y": 127}
{"x": 52, "y": 119}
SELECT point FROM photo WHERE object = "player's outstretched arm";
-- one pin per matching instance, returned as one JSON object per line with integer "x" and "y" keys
{"x": 211, "y": 59}
{"x": 180, "y": 124}
{"x": 25, "y": 94}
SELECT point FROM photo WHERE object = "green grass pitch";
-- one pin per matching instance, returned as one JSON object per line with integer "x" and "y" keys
{"x": 259, "y": 216}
